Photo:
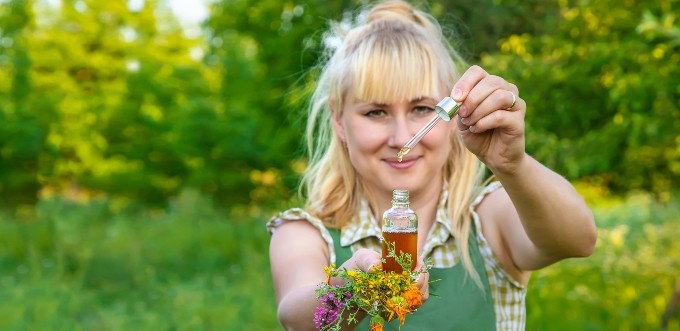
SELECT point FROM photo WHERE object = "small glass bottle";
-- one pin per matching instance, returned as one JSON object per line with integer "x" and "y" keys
{"x": 399, "y": 228}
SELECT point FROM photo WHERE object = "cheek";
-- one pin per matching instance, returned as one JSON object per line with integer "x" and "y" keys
{"x": 365, "y": 138}
{"x": 439, "y": 137}
{"x": 364, "y": 141}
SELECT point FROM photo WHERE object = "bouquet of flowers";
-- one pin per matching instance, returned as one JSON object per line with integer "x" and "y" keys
{"x": 383, "y": 295}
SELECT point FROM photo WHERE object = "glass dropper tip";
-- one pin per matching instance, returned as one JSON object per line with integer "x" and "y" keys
{"x": 445, "y": 109}
{"x": 402, "y": 153}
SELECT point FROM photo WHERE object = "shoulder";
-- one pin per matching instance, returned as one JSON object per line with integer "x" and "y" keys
{"x": 297, "y": 225}
{"x": 298, "y": 251}
{"x": 492, "y": 201}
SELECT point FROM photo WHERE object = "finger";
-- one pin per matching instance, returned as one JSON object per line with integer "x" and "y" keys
{"x": 423, "y": 277}
{"x": 365, "y": 259}
{"x": 423, "y": 285}
{"x": 498, "y": 100}
{"x": 422, "y": 280}
{"x": 481, "y": 91}
{"x": 501, "y": 119}
{"x": 419, "y": 264}
{"x": 511, "y": 107}
{"x": 461, "y": 126}
{"x": 464, "y": 85}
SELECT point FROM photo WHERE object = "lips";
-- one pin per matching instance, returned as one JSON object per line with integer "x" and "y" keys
{"x": 405, "y": 164}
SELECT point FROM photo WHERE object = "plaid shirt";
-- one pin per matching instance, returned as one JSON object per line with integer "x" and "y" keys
{"x": 440, "y": 246}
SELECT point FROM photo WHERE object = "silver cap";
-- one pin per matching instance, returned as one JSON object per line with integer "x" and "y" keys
{"x": 447, "y": 108}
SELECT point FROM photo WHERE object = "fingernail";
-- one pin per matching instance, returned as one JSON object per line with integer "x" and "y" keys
{"x": 462, "y": 111}
{"x": 465, "y": 120}
{"x": 457, "y": 94}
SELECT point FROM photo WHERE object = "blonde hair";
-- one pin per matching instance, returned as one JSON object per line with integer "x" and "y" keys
{"x": 393, "y": 52}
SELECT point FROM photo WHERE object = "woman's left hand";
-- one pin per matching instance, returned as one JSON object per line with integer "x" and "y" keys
{"x": 491, "y": 118}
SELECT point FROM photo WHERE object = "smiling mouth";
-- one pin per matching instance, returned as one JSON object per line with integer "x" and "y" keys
{"x": 405, "y": 163}
{"x": 392, "y": 160}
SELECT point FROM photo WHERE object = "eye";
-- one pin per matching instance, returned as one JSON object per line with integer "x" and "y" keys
{"x": 375, "y": 113}
{"x": 423, "y": 110}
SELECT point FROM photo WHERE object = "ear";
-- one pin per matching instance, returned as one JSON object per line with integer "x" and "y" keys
{"x": 335, "y": 118}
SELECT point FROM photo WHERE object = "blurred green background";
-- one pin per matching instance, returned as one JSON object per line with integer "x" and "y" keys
{"x": 141, "y": 153}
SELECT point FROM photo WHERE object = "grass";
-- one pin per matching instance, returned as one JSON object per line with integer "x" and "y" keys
{"x": 82, "y": 267}
{"x": 627, "y": 282}
{"x": 73, "y": 266}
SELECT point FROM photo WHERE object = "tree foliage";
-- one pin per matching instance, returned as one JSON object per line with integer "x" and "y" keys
{"x": 100, "y": 98}
{"x": 603, "y": 92}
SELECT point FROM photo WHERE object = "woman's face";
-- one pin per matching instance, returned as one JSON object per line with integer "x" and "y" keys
{"x": 374, "y": 133}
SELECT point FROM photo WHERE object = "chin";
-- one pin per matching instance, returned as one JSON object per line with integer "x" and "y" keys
{"x": 408, "y": 183}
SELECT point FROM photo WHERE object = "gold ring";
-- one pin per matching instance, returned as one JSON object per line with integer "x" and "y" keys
{"x": 514, "y": 99}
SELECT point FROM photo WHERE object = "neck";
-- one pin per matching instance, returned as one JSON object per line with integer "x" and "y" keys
{"x": 425, "y": 205}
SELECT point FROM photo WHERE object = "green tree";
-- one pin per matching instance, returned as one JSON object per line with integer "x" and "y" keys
{"x": 602, "y": 90}
{"x": 102, "y": 97}
{"x": 22, "y": 129}
{"x": 263, "y": 50}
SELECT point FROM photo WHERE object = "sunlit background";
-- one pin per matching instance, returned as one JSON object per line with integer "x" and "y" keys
{"x": 143, "y": 144}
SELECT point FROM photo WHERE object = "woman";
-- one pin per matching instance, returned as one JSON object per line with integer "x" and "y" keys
{"x": 380, "y": 85}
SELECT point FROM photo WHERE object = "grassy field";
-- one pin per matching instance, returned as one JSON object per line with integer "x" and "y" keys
{"x": 76, "y": 266}
{"x": 83, "y": 267}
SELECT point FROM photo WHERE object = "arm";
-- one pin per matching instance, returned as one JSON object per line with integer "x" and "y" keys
{"x": 539, "y": 218}
{"x": 552, "y": 222}
{"x": 298, "y": 255}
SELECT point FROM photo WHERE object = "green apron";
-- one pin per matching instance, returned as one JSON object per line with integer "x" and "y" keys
{"x": 459, "y": 304}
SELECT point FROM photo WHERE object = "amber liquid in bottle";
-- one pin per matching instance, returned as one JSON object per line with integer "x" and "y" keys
{"x": 406, "y": 242}
{"x": 399, "y": 228}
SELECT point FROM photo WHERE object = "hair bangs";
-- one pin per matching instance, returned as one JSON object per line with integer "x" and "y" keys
{"x": 393, "y": 69}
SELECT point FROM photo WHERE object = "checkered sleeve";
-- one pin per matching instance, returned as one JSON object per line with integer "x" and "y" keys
{"x": 509, "y": 295}
{"x": 297, "y": 214}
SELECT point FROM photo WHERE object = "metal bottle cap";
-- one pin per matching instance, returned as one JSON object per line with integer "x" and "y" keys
{"x": 447, "y": 108}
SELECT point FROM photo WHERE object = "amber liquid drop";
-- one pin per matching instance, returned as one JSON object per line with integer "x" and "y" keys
{"x": 402, "y": 153}
{"x": 406, "y": 242}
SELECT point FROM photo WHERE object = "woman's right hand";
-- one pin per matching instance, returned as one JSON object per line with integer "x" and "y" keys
{"x": 423, "y": 281}
{"x": 365, "y": 260}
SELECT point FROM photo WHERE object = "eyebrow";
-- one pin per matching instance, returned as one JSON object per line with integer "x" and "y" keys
{"x": 414, "y": 100}
{"x": 422, "y": 98}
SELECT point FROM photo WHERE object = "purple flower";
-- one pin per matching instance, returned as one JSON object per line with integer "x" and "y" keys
{"x": 329, "y": 311}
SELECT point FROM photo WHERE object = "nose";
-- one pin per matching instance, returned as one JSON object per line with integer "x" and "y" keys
{"x": 400, "y": 132}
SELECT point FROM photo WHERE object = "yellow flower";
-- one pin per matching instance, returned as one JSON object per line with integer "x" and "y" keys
{"x": 329, "y": 271}
{"x": 383, "y": 295}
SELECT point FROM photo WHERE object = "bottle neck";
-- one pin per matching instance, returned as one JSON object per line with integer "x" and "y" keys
{"x": 401, "y": 205}
{"x": 400, "y": 199}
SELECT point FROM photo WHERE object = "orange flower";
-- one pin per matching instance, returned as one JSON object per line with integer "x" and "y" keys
{"x": 385, "y": 296}
{"x": 413, "y": 297}
{"x": 377, "y": 323}
{"x": 398, "y": 306}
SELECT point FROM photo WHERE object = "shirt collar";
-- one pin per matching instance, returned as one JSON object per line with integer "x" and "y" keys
{"x": 442, "y": 212}
{"x": 362, "y": 226}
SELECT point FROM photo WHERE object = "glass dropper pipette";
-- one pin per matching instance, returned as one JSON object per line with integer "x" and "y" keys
{"x": 445, "y": 109}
